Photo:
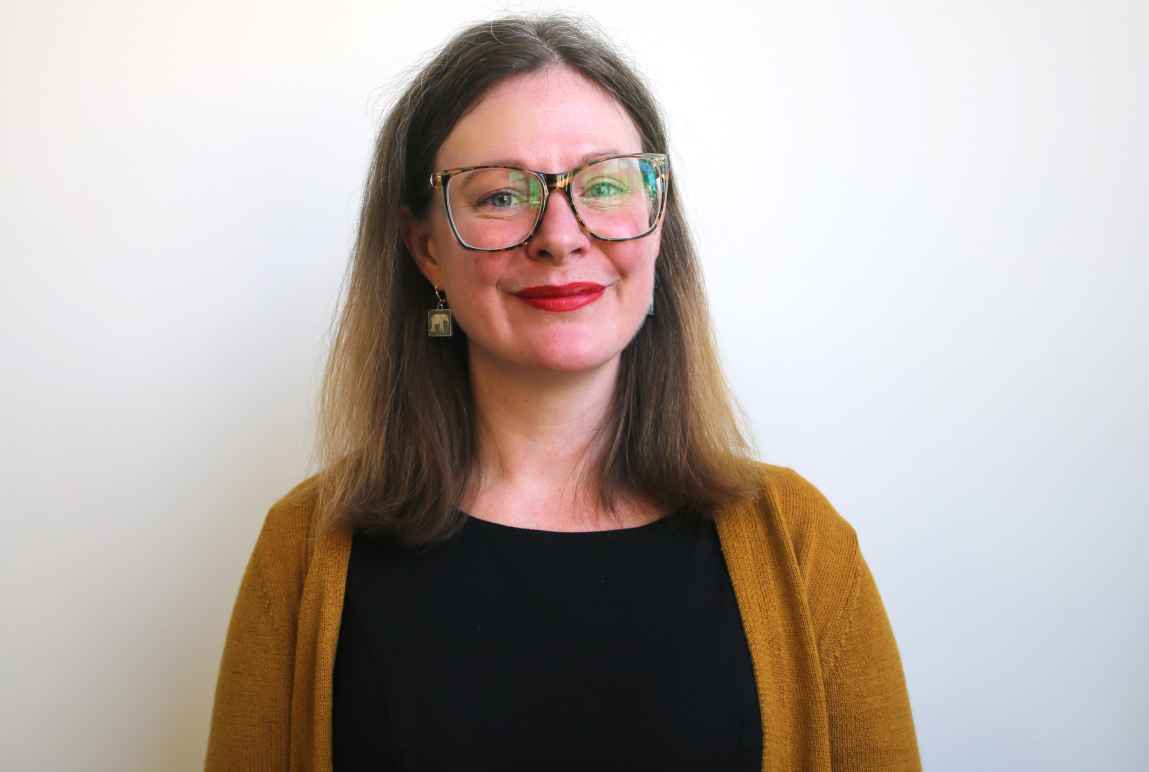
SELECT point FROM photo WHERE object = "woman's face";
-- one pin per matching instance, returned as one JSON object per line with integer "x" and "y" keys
{"x": 550, "y": 121}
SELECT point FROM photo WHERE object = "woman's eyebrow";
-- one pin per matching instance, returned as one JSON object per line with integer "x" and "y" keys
{"x": 518, "y": 162}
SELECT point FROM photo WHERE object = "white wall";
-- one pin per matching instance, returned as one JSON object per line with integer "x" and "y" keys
{"x": 924, "y": 231}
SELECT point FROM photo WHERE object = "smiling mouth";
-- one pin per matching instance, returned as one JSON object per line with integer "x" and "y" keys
{"x": 561, "y": 297}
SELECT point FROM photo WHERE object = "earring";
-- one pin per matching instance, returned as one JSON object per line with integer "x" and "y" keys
{"x": 439, "y": 318}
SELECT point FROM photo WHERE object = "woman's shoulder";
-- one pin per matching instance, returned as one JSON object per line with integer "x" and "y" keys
{"x": 300, "y": 498}
{"x": 294, "y": 512}
{"x": 801, "y": 503}
{"x": 287, "y": 535}
{"x": 794, "y": 508}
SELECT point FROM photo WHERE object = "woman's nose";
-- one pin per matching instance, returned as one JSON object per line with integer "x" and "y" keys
{"x": 559, "y": 235}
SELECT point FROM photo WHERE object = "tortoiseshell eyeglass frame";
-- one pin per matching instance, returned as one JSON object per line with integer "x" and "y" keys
{"x": 559, "y": 181}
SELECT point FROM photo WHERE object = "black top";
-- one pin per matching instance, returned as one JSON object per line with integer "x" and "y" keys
{"x": 516, "y": 649}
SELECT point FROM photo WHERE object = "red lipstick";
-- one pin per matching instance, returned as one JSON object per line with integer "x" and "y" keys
{"x": 561, "y": 297}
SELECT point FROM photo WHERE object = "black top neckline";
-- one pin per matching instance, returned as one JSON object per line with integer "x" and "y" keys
{"x": 606, "y": 533}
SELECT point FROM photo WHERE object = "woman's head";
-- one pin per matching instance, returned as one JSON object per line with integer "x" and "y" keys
{"x": 473, "y": 104}
{"x": 397, "y": 424}
{"x": 552, "y": 120}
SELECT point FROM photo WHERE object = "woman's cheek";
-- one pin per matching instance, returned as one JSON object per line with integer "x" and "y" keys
{"x": 633, "y": 259}
{"x": 482, "y": 270}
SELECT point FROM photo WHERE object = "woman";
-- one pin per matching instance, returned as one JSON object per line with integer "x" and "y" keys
{"x": 538, "y": 541}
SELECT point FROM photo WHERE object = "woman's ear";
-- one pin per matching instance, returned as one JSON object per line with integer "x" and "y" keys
{"x": 416, "y": 235}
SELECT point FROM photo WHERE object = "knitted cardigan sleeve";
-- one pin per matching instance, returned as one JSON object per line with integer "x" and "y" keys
{"x": 250, "y": 723}
{"x": 870, "y": 722}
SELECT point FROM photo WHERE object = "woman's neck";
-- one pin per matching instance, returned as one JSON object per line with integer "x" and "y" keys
{"x": 539, "y": 445}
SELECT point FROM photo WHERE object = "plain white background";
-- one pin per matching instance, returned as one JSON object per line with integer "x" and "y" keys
{"x": 923, "y": 228}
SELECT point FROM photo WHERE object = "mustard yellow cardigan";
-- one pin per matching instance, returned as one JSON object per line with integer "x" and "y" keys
{"x": 830, "y": 684}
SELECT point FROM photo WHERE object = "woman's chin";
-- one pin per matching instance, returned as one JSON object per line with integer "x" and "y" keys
{"x": 571, "y": 360}
{"x": 574, "y": 365}
{"x": 558, "y": 357}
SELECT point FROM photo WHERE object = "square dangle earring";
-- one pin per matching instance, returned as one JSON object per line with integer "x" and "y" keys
{"x": 439, "y": 324}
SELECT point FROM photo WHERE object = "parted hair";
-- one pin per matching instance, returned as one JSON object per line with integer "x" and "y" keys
{"x": 396, "y": 441}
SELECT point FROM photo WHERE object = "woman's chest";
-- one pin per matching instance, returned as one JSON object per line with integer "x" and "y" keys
{"x": 514, "y": 650}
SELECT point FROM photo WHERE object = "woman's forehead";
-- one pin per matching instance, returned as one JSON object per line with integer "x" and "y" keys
{"x": 551, "y": 120}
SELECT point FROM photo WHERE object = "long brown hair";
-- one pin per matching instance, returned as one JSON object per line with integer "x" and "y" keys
{"x": 396, "y": 442}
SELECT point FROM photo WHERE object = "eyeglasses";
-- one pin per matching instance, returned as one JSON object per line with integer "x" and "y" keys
{"x": 493, "y": 208}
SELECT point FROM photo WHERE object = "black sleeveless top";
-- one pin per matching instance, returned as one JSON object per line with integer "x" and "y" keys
{"x": 517, "y": 649}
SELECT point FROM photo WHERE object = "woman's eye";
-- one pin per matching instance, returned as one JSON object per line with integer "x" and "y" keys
{"x": 500, "y": 199}
{"x": 603, "y": 188}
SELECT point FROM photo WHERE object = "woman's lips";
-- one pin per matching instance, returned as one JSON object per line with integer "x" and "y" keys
{"x": 561, "y": 297}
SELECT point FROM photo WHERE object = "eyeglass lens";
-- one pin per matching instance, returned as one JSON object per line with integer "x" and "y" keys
{"x": 497, "y": 207}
